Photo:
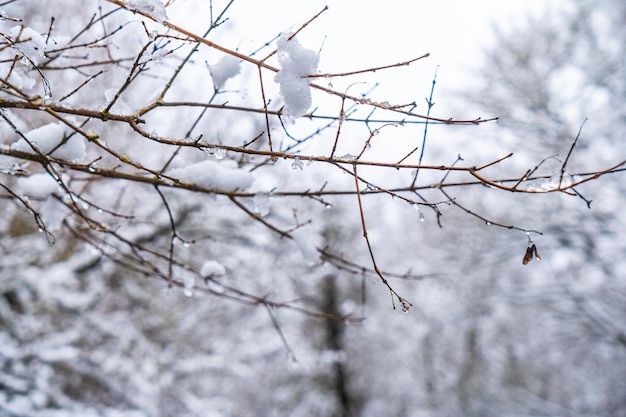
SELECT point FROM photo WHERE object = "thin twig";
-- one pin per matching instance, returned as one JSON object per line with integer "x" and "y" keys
{"x": 430, "y": 103}
{"x": 404, "y": 303}
{"x": 290, "y": 353}
{"x": 294, "y": 34}
{"x": 571, "y": 149}
{"x": 345, "y": 74}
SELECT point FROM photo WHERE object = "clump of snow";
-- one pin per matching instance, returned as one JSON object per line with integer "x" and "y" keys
{"x": 43, "y": 185}
{"x": 30, "y": 44}
{"x": 52, "y": 213}
{"x": 212, "y": 268}
{"x": 226, "y": 68}
{"x": 223, "y": 175}
{"x": 153, "y": 8}
{"x": 46, "y": 139}
{"x": 37, "y": 185}
{"x": 20, "y": 79}
{"x": 296, "y": 62}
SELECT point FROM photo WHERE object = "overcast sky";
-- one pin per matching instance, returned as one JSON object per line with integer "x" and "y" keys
{"x": 367, "y": 32}
{"x": 358, "y": 34}
{"x": 362, "y": 33}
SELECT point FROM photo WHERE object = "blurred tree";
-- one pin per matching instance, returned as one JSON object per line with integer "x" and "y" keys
{"x": 553, "y": 336}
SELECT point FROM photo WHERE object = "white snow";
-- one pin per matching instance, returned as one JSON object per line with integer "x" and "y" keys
{"x": 52, "y": 213}
{"x": 20, "y": 79}
{"x": 296, "y": 62}
{"x": 37, "y": 185}
{"x": 212, "y": 268}
{"x": 153, "y": 8}
{"x": 48, "y": 137}
{"x": 58, "y": 353}
{"x": 226, "y": 68}
{"x": 223, "y": 175}
{"x": 30, "y": 44}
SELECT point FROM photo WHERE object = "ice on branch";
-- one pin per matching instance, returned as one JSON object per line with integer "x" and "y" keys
{"x": 555, "y": 182}
{"x": 224, "y": 175}
{"x": 153, "y": 8}
{"x": 261, "y": 202}
{"x": 30, "y": 44}
{"x": 226, "y": 68}
{"x": 55, "y": 137}
{"x": 296, "y": 62}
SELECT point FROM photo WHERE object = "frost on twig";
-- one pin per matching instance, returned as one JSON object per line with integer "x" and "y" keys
{"x": 296, "y": 63}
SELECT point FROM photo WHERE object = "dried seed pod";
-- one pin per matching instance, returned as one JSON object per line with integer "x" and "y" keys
{"x": 537, "y": 253}
{"x": 531, "y": 252}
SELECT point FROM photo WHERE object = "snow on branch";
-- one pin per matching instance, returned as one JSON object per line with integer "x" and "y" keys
{"x": 154, "y": 9}
{"x": 227, "y": 175}
{"x": 296, "y": 63}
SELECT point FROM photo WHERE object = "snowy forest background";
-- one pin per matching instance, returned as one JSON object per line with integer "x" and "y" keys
{"x": 161, "y": 254}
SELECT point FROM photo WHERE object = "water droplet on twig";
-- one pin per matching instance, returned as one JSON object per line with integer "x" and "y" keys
{"x": 416, "y": 207}
{"x": 261, "y": 202}
{"x": 220, "y": 153}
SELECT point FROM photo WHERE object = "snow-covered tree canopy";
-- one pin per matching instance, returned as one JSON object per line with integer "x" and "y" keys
{"x": 145, "y": 154}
